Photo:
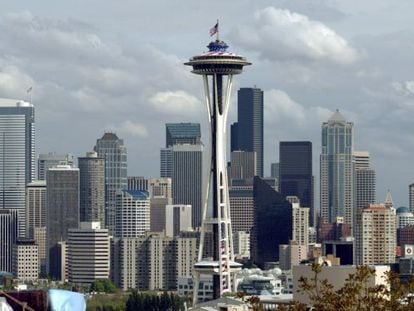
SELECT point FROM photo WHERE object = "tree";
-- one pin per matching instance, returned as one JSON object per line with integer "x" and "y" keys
{"x": 357, "y": 294}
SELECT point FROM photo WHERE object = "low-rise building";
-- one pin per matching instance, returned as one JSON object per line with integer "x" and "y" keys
{"x": 25, "y": 260}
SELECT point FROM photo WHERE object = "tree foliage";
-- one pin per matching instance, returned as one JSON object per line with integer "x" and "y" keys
{"x": 103, "y": 286}
{"x": 356, "y": 293}
{"x": 152, "y": 302}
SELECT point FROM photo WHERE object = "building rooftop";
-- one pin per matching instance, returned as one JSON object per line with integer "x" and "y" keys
{"x": 8, "y": 102}
{"x": 109, "y": 136}
{"x": 337, "y": 117}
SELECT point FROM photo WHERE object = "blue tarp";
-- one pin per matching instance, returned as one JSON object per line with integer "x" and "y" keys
{"x": 64, "y": 300}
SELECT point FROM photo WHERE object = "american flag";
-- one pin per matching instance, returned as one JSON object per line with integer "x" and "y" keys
{"x": 214, "y": 30}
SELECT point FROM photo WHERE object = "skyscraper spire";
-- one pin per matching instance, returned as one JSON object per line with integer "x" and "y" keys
{"x": 389, "y": 203}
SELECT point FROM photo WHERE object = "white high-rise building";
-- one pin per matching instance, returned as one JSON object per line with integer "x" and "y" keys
{"x": 365, "y": 180}
{"x": 132, "y": 213}
{"x": 17, "y": 155}
{"x": 152, "y": 262}
{"x": 88, "y": 253}
{"x": 337, "y": 180}
{"x": 376, "y": 235}
{"x": 300, "y": 224}
{"x": 177, "y": 219}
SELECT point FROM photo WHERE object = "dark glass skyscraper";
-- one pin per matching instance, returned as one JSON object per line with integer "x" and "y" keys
{"x": 295, "y": 172}
{"x": 182, "y": 133}
{"x": 250, "y": 124}
{"x": 272, "y": 222}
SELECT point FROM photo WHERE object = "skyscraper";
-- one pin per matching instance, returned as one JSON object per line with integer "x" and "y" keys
{"x": 88, "y": 253}
{"x": 51, "y": 159}
{"x": 411, "y": 196}
{"x": 272, "y": 222}
{"x": 17, "y": 155}
{"x": 36, "y": 218}
{"x": 249, "y": 127}
{"x": 112, "y": 149}
{"x": 132, "y": 213}
{"x": 177, "y": 218}
{"x": 160, "y": 192}
{"x": 183, "y": 163}
{"x": 137, "y": 183}
{"x": 337, "y": 182}
{"x": 376, "y": 235}
{"x": 365, "y": 180}
{"x": 8, "y": 237}
{"x": 92, "y": 188}
{"x": 62, "y": 206}
{"x": 182, "y": 133}
{"x": 187, "y": 179}
{"x": 35, "y": 206}
{"x": 295, "y": 172}
{"x": 242, "y": 165}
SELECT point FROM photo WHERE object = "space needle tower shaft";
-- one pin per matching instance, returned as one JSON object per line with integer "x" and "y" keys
{"x": 217, "y": 67}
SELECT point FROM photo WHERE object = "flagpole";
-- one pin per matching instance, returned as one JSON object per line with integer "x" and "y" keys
{"x": 217, "y": 38}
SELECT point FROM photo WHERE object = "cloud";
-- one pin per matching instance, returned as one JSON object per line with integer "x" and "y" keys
{"x": 175, "y": 102}
{"x": 280, "y": 108}
{"x": 133, "y": 129}
{"x": 405, "y": 88}
{"x": 282, "y": 35}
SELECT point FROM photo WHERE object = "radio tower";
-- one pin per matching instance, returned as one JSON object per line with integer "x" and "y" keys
{"x": 217, "y": 66}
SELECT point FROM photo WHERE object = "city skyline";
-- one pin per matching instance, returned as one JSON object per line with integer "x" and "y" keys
{"x": 352, "y": 72}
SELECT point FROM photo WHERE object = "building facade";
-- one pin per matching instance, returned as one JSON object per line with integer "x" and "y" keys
{"x": 365, "y": 180}
{"x": 17, "y": 155}
{"x": 249, "y": 127}
{"x": 411, "y": 196}
{"x": 137, "y": 183}
{"x": 8, "y": 237}
{"x": 88, "y": 256}
{"x": 62, "y": 210}
{"x": 336, "y": 176}
{"x": 272, "y": 222}
{"x": 26, "y": 260}
{"x": 113, "y": 150}
{"x": 36, "y": 218}
{"x": 51, "y": 159}
{"x": 132, "y": 213}
{"x": 160, "y": 192}
{"x": 184, "y": 163}
{"x": 178, "y": 218}
{"x": 376, "y": 235}
{"x": 182, "y": 133}
{"x": 295, "y": 173}
{"x": 153, "y": 262}
{"x": 35, "y": 206}
{"x": 92, "y": 188}
{"x": 242, "y": 165}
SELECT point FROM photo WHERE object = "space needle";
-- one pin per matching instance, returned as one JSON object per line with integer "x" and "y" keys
{"x": 217, "y": 67}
